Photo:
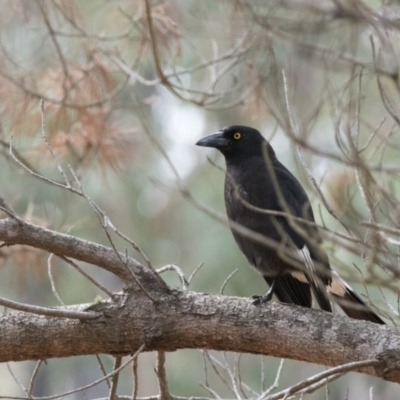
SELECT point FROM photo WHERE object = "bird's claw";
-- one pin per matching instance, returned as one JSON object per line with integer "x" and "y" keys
{"x": 260, "y": 299}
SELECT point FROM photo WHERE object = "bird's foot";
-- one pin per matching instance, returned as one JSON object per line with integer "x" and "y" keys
{"x": 261, "y": 299}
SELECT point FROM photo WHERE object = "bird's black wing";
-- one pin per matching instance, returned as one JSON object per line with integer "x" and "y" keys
{"x": 296, "y": 201}
{"x": 318, "y": 274}
{"x": 304, "y": 237}
{"x": 290, "y": 290}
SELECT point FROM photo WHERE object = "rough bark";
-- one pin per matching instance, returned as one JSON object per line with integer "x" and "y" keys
{"x": 13, "y": 231}
{"x": 180, "y": 319}
{"x": 183, "y": 319}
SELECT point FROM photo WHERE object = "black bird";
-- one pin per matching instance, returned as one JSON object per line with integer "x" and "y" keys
{"x": 261, "y": 194}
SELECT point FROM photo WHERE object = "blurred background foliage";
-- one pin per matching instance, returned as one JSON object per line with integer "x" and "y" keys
{"x": 128, "y": 88}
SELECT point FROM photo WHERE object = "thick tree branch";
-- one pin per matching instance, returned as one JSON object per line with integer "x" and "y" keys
{"x": 183, "y": 319}
{"x": 13, "y": 231}
{"x": 180, "y": 319}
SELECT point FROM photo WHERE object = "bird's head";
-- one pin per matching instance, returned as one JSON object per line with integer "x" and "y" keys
{"x": 235, "y": 141}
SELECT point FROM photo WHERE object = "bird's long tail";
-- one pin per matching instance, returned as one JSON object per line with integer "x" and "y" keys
{"x": 350, "y": 302}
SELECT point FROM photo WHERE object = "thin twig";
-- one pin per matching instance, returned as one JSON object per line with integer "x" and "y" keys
{"x": 114, "y": 383}
{"x": 336, "y": 372}
{"x": 195, "y": 271}
{"x": 51, "y": 278}
{"x": 179, "y": 272}
{"x": 103, "y": 370}
{"x": 33, "y": 377}
{"x": 87, "y": 276}
{"x": 162, "y": 376}
{"x": 50, "y": 149}
{"x": 16, "y": 380}
{"x": 135, "y": 379}
{"x": 49, "y": 312}
{"x": 96, "y": 382}
{"x": 221, "y": 291}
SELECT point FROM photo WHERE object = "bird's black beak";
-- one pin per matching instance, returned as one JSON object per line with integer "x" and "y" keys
{"x": 216, "y": 140}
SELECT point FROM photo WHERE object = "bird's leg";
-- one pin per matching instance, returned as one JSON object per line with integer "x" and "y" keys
{"x": 264, "y": 299}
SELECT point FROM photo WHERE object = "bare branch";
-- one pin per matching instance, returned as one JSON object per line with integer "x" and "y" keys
{"x": 114, "y": 383}
{"x": 50, "y": 312}
{"x": 333, "y": 372}
{"x": 162, "y": 376}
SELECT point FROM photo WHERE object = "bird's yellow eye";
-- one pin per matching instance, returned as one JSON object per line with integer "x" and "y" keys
{"x": 237, "y": 135}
